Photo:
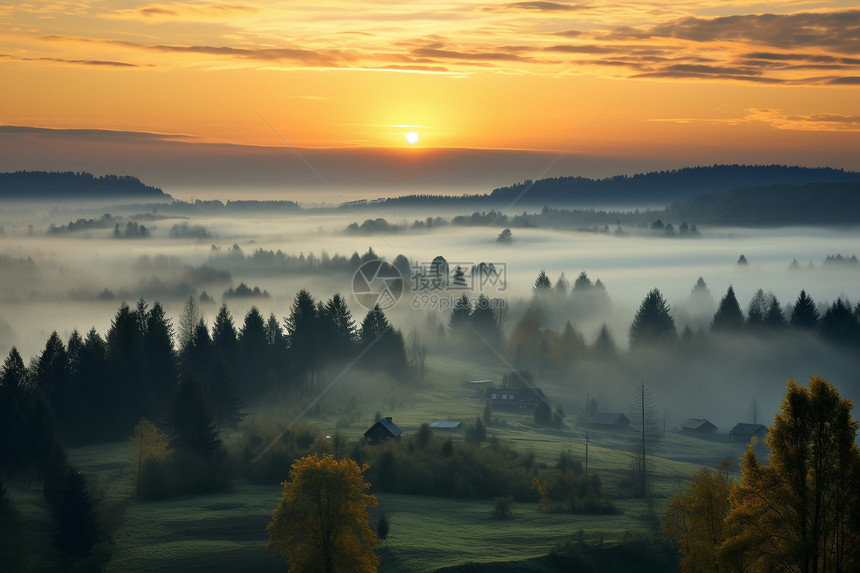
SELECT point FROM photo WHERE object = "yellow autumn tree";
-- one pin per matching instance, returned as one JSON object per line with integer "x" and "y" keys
{"x": 801, "y": 512}
{"x": 694, "y": 520}
{"x": 149, "y": 444}
{"x": 321, "y": 523}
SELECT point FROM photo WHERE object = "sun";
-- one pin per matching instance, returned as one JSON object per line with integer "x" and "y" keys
{"x": 411, "y": 138}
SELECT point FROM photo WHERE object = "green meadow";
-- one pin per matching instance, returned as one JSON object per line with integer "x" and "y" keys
{"x": 226, "y": 532}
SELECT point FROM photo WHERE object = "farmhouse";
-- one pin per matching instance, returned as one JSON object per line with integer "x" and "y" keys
{"x": 515, "y": 398}
{"x": 745, "y": 432}
{"x": 608, "y": 421}
{"x": 383, "y": 429}
{"x": 698, "y": 426}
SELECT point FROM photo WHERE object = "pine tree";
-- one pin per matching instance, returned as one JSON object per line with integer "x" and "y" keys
{"x": 342, "y": 329}
{"x": 562, "y": 285}
{"x": 604, "y": 346}
{"x": 757, "y": 310}
{"x": 125, "y": 359}
{"x": 225, "y": 339}
{"x": 485, "y": 322}
{"x": 303, "y": 328}
{"x": 253, "y": 353}
{"x": 459, "y": 314}
{"x": 838, "y": 323}
{"x": 652, "y": 323}
{"x": 160, "y": 360}
{"x": 728, "y": 315}
{"x": 194, "y": 429}
{"x": 74, "y": 512}
{"x": 804, "y": 314}
{"x": 382, "y": 345}
{"x": 13, "y": 411}
{"x": 542, "y": 285}
{"x": 774, "y": 318}
{"x": 188, "y": 320}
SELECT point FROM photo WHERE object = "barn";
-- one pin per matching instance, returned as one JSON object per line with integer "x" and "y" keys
{"x": 608, "y": 421}
{"x": 745, "y": 432}
{"x": 383, "y": 429}
{"x": 698, "y": 426}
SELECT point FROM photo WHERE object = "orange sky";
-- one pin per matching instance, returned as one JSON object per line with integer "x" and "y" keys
{"x": 698, "y": 81}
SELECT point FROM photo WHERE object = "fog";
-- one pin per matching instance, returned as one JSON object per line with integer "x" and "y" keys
{"x": 66, "y": 280}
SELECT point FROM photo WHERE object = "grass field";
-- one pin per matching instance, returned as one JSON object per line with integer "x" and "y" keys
{"x": 226, "y": 532}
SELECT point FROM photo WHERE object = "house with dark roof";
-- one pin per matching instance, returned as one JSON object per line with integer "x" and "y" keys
{"x": 524, "y": 398}
{"x": 698, "y": 426}
{"x": 383, "y": 429}
{"x": 745, "y": 432}
{"x": 608, "y": 421}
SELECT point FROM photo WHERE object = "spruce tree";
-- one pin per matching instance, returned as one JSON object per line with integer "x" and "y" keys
{"x": 728, "y": 315}
{"x": 804, "y": 314}
{"x": 652, "y": 322}
{"x": 253, "y": 353}
{"x": 74, "y": 513}
{"x": 194, "y": 429}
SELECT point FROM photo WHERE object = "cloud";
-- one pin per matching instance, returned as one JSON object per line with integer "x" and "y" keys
{"x": 832, "y": 30}
{"x": 92, "y": 135}
{"x": 776, "y": 118}
{"x": 98, "y": 63}
{"x": 475, "y": 56}
{"x": 211, "y": 11}
{"x": 847, "y": 81}
{"x": 808, "y": 122}
{"x": 330, "y": 58}
{"x": 803, "y": 48}
{"x": 156, "y": 11}
{"x": 535, "y": 7}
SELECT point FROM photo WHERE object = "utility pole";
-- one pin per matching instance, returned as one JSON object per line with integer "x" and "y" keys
{"x": 586, "y": 453}
{"x": 643, "y": 437}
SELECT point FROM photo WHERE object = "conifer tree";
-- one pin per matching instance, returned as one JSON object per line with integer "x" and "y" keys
{"x": 194, "y": 429}
{"x": 728, "y": 315}
{"x": 804, "y": 314}
{"x": 652, "y": 323}
{"x": 459, "y": 314}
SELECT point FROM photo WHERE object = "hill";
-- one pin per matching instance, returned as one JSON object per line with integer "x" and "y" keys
{"x": 824, "y": 203}
{"x": 40, "y": 185}
{"x": 667, "y": 186}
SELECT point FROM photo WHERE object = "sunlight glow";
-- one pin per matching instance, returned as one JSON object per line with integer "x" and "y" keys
{"x": 411, "y": 138}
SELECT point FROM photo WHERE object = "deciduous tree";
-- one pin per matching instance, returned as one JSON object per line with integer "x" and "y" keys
{"x": 149, "y": 444}
{"x": 321, "y": 522}
{"x": 694, "y": 520}
{"x": 800, "y": 512}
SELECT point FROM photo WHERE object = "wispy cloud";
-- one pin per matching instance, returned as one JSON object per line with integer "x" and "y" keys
{"x": 778, "y": 119}
{"x": 101, "y": 63}
{"x": 535, "y": 7}
{"x": 93, "y": 135}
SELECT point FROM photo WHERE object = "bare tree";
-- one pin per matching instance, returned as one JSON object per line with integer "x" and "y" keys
{"x": 188, "y": 320}
{"x": 418, "y": 352}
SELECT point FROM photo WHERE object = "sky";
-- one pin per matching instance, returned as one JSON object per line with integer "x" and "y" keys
{"x": 197, "y": 93}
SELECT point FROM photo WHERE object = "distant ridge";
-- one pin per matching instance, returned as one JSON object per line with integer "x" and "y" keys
{"x": 670, "y": 186}
{"x": 40, "y": 185}
{"x": 655, "y": 187}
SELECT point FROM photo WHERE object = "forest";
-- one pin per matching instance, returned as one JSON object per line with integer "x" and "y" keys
{"x": 179, "y": 389}
{"x": 167, "y": 366}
